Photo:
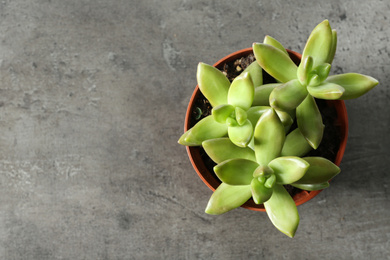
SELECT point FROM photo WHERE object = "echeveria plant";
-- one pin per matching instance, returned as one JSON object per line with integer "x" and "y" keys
{"x": 261, "y": 174}
{"x": 299, "y": 85}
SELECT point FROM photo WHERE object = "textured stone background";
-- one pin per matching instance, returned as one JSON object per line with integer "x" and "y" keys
{"x": 92, "y": 101}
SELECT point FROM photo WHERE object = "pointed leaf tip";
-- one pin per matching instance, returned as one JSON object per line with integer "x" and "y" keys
{"x": 227, "y": 197}
{"x": 282, "y": 211}
{"x": 273, "y": 42}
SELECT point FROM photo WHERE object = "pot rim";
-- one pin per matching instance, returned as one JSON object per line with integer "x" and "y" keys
{"x": 210, "y": 179}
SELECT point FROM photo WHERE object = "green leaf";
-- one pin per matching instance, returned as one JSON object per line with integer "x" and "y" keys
{"x": 332, "y": 51}
{"x": 241, "y": 135}
{"x": 222, "y": 149}
{"x": 314, "y": 79}
{"x": 255, "y": 112}
{"x": 222, "y": 112}
{"x": 354, "y": 84}
{"x": 282, "y": 211}
{"x": 310, "y": 121}
{"x": 205, "y": 129}
{"x": 304, "y": 68}
{"x": 319, "y": 44}
{"x": 262, "y": 94}
{"x": 312, "y": 187}
{"x": 295, "y": 144}
{"x": 321, "y": 170}
{"x": 322, "y": 71}
{"x": 241, "y": 115}
{"x": 227, "y": 197}
{"x": 213, "y": 84}
{"x": 288, "y": 96}
{"x": 285, "y": 118}
{"x": 256, "y": 73}
{"x": 269, "y": 137}
{"x": 182, "y": 139}
{"x": 273, "y": 42}
{"x": 236, "y": 171}
{"x": 288, "y": 169}
{"x": 326, "y": 90}
{"x": 241, "y": 92}
{"x": 275, "y": 62}
{"x": 260, "y": 193}
{"x": 231, "y": 122}
{"x": 270, "y": 182}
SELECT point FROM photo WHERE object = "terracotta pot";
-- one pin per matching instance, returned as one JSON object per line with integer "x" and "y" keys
{"x": 209, "y": 177}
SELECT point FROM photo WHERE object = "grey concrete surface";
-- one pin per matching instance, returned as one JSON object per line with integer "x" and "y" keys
{"x": 92, "y": 101}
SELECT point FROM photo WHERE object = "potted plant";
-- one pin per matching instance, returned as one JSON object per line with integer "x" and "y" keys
{"x": 259, "y": 133}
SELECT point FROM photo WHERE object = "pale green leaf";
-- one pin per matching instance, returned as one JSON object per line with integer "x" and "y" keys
{"x": 304, "y": 68}
{"x": 270, "y": 181}
{"x": 312, "y": 187}
{"x": 255, "y": 112}
{"x": 256, "y": 73}
{"x": 295, "y": 144}
{"x": 282, "y": 211}
{"x": 319, "y": 44}
{"x": 227, "y": 197}
{"x": 322, "y": 71}
{"x": 354, "y": 84}
{"x": 269, "y": 137}
{"x": 236, "y": 171}
{"x": 260, "y": 193}
{"x": 320, "y": 170}
{"x": 285, "y": 118}
{"x": 332, "y": 51}
{"x": 205, "y": 129}
{"x": 241, "y": 115}
{"x": 275, "y": 62}
{"x": 262, "y": 94}
{"x": 309, "y": 121}
{"x": 222, "y": 112}
{"x": 273, "y": 42}
{"x": 288, "y": 169}
{"x": 213, "y": 84}
{"x": 288, "y": 96}
{"x": 222, "y": 149}
{"x": 241, "y": 92}
{"x": 241, "y": 135}
{"x": 326, "y": 90}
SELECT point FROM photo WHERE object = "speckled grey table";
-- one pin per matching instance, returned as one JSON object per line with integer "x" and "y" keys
{"x": 92, "y": 101}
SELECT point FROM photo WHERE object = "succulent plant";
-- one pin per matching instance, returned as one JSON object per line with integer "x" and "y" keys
{"x": 248, "y": 133}
{"x": 261, "y": 174}
{"x": 299, "y": 85}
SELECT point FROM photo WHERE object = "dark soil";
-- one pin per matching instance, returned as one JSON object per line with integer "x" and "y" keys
{"x": 331, "y": 138}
